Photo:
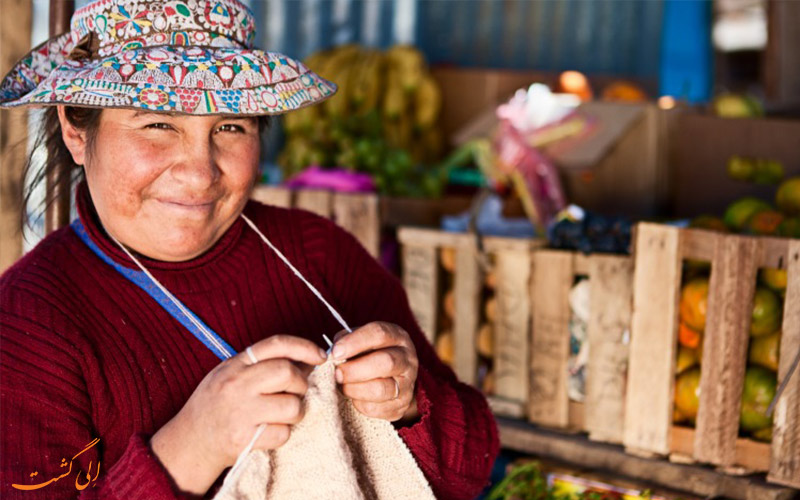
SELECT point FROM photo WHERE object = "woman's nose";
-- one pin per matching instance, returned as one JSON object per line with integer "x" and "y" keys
{"x": 198, "y": 168}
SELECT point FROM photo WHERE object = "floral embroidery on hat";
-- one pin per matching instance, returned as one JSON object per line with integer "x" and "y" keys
{"x": 190, "y": 56}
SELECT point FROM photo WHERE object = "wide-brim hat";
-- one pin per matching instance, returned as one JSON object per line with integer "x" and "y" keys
{"x": 185, "y": 56}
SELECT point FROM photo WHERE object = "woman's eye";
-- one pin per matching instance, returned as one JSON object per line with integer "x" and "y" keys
{"x": 159, "y": 126}
{"x": 230, "y": 127}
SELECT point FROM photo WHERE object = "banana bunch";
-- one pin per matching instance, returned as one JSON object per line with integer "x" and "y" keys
{"x": 386, "y": 97}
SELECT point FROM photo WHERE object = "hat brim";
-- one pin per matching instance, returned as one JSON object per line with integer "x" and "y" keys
{"x": 179, "y": 79}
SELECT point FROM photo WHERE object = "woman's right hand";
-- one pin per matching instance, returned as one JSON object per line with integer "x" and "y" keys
{"x": 224, "y": 411}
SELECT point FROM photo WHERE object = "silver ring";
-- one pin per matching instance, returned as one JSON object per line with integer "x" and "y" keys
{"x": 253, "y": 357}
{"x": 396, "y": 388}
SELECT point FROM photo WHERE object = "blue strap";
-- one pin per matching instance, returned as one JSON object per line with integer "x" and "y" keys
{"x": 140, "y": 279}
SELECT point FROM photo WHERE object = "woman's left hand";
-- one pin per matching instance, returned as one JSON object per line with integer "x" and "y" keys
{"x": 380, "y": 373}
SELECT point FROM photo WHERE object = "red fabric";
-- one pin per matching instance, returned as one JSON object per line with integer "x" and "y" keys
{"x": 86, "y": 354}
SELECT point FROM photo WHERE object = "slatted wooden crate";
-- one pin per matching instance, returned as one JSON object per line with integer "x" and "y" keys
{"x": 512, "y": 269}
{"x": 610, "y": 284}
{"x": 735, "y": 260}
{"x": 355, "y": 212}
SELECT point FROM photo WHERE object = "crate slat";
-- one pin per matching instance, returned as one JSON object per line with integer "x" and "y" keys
{"x": 654, "y": 328}
{"x": 467, "y": 285}
{"x": 725, "y": 341}
{"x": 314, "y": 200}
{"x": 785, "y": 465}
{"x": 611, "y": 282}
{"x": 358, "y": 214}
{"x": 549, "y": 351}
{"x": 421, "y": 281}
{"x": 273, "y": 195}
{"x": 512, "y": 325}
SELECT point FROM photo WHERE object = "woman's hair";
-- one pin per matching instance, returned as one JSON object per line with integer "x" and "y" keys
{"x": 58, "y": 162}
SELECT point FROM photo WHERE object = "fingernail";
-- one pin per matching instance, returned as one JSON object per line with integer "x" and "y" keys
{"x": 338, "y": 352}
{"x": 322, "y": 353}
{"x": 339, "y": 376}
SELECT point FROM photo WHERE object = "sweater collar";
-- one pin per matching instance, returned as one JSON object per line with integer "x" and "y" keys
{"x": 91, "y": 221}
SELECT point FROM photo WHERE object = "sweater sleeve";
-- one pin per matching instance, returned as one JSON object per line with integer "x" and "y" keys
{"x": 455, "y": 441}
{"x": 47, "y": 418}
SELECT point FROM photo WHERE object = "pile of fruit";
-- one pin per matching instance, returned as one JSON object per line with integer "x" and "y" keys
{"x": 382, "y": 121}
{"x": 445, "y": 341}
{"x": 765, "y": 337}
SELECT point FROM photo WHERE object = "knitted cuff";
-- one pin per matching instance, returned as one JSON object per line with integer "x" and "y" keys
{"x": 138, "y": 474}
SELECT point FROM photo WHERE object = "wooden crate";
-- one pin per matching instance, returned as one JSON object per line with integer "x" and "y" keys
{"x": 355, "y": 212}
{"x": 512, "y": 268}
{"x": 735, "y": 260}
{"x": 610, "y": 282}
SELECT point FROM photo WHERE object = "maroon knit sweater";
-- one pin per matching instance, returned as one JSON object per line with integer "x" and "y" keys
{"x": 86, "y": 354}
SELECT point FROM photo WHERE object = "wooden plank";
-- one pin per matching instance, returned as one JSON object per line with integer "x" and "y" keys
{"x": 467, "y": 288}
{"x": 420, "y": 278}
{"x": 358, "y": 214}
{"x": 750, "y": 455}
{"x": 698, "y": 244}
{"x": 785, "y": 465}
{"x": 576, "y": 449}
{"x": 553, "y": 276}
{"x": 273, "y": 195}
{"x": 432, "y": 237}
{"x": 730, "y": 302}
{"x": 314, "y": 200}
{"x": 611, "y": 284}
{"x": 654, "y": 329}
{"x": 512, "y": 325}
{"x": 15, "y": 36}
{"x": 774, "y": 252}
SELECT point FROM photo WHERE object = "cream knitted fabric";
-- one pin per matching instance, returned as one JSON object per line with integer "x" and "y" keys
{"x": 334, "y": 452}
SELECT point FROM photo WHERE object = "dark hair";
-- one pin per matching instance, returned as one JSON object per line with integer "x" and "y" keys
{"x": 58, "y": 164}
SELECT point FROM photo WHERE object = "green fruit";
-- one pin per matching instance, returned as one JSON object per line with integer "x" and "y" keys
{"x": 738, "y": 213}
{"x": 764, "y": 351}
{"x": 741, "y": 169}
{"x": 768, "y": 172}
{"x": 708, "y": 222}
{"x": 767, "y": 313}
{"x": 737, "y": 106}
{"x": 787, "y": 197}
{"x": 687, "y": 393}
{"x": 757, "y": 394}
{"x": 790, "y": 228}
{"x": 764, "y": 434}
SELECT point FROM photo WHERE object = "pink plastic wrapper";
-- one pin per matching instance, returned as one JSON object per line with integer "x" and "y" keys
{"x": 333, "y": 179}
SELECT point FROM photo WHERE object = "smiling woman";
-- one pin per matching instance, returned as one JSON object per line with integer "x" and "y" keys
{"x": 119, "y": 334}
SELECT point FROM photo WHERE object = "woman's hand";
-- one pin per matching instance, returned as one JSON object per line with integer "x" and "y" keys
{"x": 381, "y": 370}
{"x": 226, "y": 408}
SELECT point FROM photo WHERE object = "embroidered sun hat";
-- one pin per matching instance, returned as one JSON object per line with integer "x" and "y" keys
{"x": 185, "y": 56}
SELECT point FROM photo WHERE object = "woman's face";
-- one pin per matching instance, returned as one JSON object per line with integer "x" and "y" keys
{"x": 169, "y": 186}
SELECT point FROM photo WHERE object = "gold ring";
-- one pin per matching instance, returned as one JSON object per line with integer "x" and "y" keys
{"x": 396, "y": 388}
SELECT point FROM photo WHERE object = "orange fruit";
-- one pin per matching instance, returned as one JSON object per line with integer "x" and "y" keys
{"x": 765, "y": 222}
{"x": 764, "y": 351}
{"x": 447, "y": 256}
{"x": 694, "y": 303}
{"x": 688, "y": 337}
{"x": 776, "y": 279}
{"x": 445, "y": 347}
{"x": 757, "y": 394}
{"x": 708, "y": 222}
{"x": 687, "y": 393}
{"x": 767, "y": 312}
{"x": 739, "y": 212}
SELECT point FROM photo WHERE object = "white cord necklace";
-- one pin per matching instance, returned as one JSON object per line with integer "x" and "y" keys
{"x": 234, "y": 472}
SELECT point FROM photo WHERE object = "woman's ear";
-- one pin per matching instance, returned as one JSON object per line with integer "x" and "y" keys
{"x": 74, "y": 138}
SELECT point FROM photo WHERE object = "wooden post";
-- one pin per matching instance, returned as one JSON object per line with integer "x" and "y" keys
{"x": 553, "y": 275}
{"x": 420, "y": 278}
{"x": 315, "y": 200}
{"x": 733, "y": 276}
{"x": 467, "y": 289}
{"x": 57, "y": 212}
{"x": 785, "y": 464}
{"x": 358, "y": 214}
{"x": 611, "y": 282}
{"x": 654, "y": 330}
{"x": 273, "y": 195}
{"x": 15, "y": 36}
